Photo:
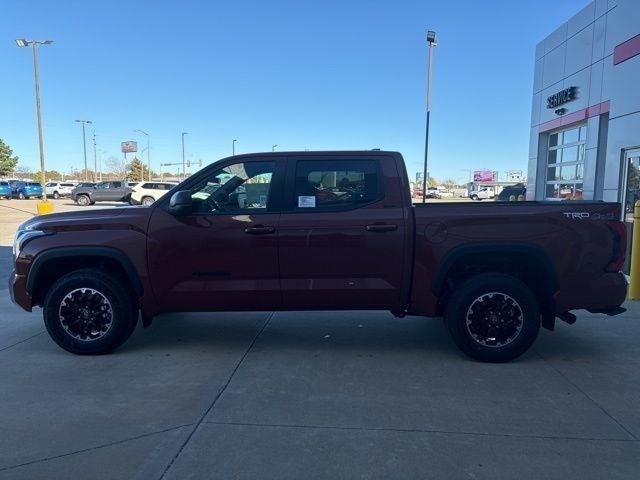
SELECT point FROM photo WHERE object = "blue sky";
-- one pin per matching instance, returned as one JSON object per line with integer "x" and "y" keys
{"x": 300, "y": 74}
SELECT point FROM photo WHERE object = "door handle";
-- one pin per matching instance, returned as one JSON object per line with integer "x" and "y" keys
{"x": 259, "y": 230}
{"x": 381, "y": 227}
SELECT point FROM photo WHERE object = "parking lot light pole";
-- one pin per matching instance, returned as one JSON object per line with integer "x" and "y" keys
{"x": 84, "y": 146}
{"x": 431, "y": 43}
{"x": 184, "y": 171}
{"x": 95, "y": 159}
{"x": 148, "y": 153}
{"x": 21, "y": 42}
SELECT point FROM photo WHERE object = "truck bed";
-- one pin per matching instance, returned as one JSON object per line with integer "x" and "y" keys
{"x": 572, "y": 240}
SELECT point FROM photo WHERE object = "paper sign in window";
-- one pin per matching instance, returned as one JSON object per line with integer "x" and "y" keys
{"x": 306, "y": 201}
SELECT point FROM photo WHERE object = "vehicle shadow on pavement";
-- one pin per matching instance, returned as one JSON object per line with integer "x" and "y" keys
{"x": 362, "y": 331}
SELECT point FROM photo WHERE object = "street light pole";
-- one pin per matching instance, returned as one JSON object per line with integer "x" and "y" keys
{"x": 233, "y": 146}
{"x": 21, "y": 42}
{"x": 101, "y": 152}
{"x": 95, "y": 159}
{"x": 148, "y": 153}
{"x": 273, "y": 147}
{"x": 84, "y": 146}
{"x": 184, "y": 171}
{"x": 431, "y": 42}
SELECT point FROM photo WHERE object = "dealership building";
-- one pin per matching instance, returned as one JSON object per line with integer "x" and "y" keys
{"x": 585, "y": 120}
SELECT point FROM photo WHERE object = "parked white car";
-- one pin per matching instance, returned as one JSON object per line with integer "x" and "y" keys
{"x": 58, "y": 189}
{"x": 145, "y": 193}
{"x": 483, "y": 193}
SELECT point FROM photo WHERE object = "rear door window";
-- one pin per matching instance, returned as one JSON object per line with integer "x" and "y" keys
{"x": 336, "y": 184}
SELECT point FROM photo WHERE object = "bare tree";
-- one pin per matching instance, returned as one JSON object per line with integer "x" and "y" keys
{"x": 22, "y": 171}
{"x": 449, "y": 183}
{"x": 117, "y": 167}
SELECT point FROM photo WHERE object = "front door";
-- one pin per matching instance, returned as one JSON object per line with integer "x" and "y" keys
{"x": 101, "y": 192}
{"x": 223, "y": 256}
{"x": 342, "y": 240}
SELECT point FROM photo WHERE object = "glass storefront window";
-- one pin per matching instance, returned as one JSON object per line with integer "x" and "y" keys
{"x": 565, "y": 164}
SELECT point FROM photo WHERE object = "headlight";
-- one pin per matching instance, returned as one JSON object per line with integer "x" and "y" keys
{"x": 23, "y": 235}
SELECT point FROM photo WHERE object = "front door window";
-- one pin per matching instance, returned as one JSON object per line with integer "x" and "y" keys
{"x": 241, "y": 187}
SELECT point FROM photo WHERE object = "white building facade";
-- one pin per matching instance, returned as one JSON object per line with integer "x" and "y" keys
{"x": 585, "y": 120}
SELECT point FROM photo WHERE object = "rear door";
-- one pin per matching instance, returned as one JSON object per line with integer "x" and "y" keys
{"x": 342, "y": 238}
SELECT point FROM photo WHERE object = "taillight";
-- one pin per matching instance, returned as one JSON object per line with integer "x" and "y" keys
{"x": 619, "y": 230}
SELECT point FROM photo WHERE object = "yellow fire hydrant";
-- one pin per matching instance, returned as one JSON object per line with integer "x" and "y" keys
{"x": 634, "y": 284}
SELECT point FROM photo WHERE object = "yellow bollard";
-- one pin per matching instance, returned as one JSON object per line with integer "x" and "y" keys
{"x": 634, "y": 284}
{"x": 44, "y": 207}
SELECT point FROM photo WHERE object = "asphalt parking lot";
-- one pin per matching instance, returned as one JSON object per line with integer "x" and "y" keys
{"x": 315, "y": 395}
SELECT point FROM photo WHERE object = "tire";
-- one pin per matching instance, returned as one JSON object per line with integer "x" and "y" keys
{"x": 21, "y": 196}
{"x": 67, "y": 301}
{"x": 474, "y": 197}
{"x": 484, "y": 294}
{"x": 147, "y": 201}
{"x": 83, "y": 200}
{"x": 56, "y": 195}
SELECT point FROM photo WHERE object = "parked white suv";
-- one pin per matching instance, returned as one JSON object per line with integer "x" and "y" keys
{"x": 145, "y": 193}
{"x": 58, "y": 189}
{"x": 483, "y": 193}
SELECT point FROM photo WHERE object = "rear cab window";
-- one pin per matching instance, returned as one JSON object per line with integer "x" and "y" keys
{"x": 336, "y": 184}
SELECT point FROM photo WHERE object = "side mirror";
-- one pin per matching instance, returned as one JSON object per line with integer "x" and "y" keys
{"x": 181, "y": 203}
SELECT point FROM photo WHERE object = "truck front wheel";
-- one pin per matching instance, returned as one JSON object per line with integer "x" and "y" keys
{"x": 89, "y": 312}
{"x": 493, "y": 317}
{"x": 83, "y": 200}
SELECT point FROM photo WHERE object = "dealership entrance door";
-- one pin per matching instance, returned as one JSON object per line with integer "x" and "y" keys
{"x": 630, "y": 182}
{"x": 630, "y": 194}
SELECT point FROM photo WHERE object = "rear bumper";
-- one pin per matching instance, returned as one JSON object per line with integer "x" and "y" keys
{"x": 602, "y": 294}
{"x": 18, "y": 291}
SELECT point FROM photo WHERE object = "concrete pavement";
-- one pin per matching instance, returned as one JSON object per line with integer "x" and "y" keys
{"x": 317, "y": 395}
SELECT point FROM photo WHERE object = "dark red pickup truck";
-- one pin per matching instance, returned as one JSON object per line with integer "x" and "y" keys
{"x": 321, "y": 230}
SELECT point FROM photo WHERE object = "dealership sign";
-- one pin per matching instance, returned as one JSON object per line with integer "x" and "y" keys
{"x": 562, "y": 97}
{"x": 483, "y": 176}
{"x": 129, "y": 146}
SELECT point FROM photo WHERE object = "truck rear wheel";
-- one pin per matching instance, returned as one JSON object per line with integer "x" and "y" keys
{"x": 89, "y": 312}
{"x": 493, "y": 317}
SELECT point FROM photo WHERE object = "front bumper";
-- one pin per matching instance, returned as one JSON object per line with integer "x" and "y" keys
{"x": 18, "y": 291}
